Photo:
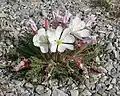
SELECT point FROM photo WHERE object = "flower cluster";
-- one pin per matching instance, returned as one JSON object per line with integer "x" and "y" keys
{"x": 63, "y": 37}
{"x": 64, "y": 33}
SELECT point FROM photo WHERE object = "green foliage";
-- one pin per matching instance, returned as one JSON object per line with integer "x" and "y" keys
{"x": 90, "y": 54}
{"x": 36, "y": 71}
{"x": 26, "y": 48}
{"x": 61, "y": 69}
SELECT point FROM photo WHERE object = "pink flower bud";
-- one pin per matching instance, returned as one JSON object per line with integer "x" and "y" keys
{"x": 33, "y": 25}
{"x": 22, "y": 65}
{"x": 46, "y": 24}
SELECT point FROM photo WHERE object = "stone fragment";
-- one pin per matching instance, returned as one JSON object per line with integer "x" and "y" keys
{"x": 103, "y": 79}
{"x": 109, "y": 67}
{"x": 86, "y": 93}
{"x": 110, "y": 87}
{"x": 40, "y": 89}
{"x": 47, "y": 92}
{"x": 3, "y": 15}
{"x": 26, "y": 93}
{"x": 57, "y": 92}
{"x": 116, "y": 54}
{"x": 110, "y": 47}
{"x": 29, "y": 85}
{"x": 74, "y": 92}
{"x": 111, "y": 35}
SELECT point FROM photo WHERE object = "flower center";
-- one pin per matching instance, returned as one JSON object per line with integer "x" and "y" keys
{"x": 59, "y": 42}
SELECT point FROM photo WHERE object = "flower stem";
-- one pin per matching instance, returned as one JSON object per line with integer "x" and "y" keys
{"x": 80, "y": 51}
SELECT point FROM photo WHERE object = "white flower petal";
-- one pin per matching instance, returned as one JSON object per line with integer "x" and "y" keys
{"x": 82, "y": 33}
{"x": 69, "y": 39}
{"x": 69, "y": 46}
{"x": 77, "y": 24}
{"x": 41, "y": 32}
{"x": 51, "y": 35}
{"x": 58, "y": 32}
{"x": 61, "y": 48}
{"x": 44, "y": 48}
{"x": 53, "y": 46}
{"x": 36, "y": 41}
{"x": 65, "y": 33}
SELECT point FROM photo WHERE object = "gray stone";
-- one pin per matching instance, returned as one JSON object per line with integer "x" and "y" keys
{"x": 74, "y": 92}
{"x": 109, "y": 27}
{"x": 57, "y": 92}
{"x": 113, "y": 71}
{"x": 110, "y": 47}
{"x": 107, "y": 82}
{"x": 109, "y": 67}
{"x": 47, "y": 92}
{"x": 86, "y": 93}
{"x": 96, "y": 94}
{"x": 103, "y": 79}
{"x": 40, "y": 89}
{"x": 92, "y": 87}
{"x": 101, "y": 90}
{"x": 118, "y": 93}
{"x": 110, "y": 87}
{"x": 3, "y": 15}
{"x": 9, "y": 94}
{"x": 113, "y": 81}
{"x": 29, "y": 85}
{"x": 116, "y": 54}
{"x": 25, "y": 93}
{"x": 113, "y": 90}
{"x": 111, "y": 35}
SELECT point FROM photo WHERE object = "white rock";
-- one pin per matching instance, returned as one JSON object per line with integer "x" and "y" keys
{"x": 57, "y": 92}
{"x": 98, "y": 60}
{"x": 116, "y": 53}
{"x": 74, "y": 92}
{"x": 111, "y": 35}
{"x": 3, "y": 15}
{"x": 29, "y": 85}
{"x": 86, "y": 93}
{"x": 110, "y": 46}
{"x": 109, "y": 27}
{"x": 113, "y": 81}
{"x": 110, "y": 87}
{"x": 40, "y": 89}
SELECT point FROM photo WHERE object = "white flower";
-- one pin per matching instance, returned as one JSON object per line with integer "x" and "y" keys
{"x": 60, "y": 39}
{"x": 41, "y": 40}
{"x": 77, "y": 27}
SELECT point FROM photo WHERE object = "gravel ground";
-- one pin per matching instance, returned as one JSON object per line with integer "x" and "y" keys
{"x": 105, "y": 84}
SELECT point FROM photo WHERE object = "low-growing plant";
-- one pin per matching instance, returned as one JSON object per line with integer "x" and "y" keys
{"x": 59, "y": 50}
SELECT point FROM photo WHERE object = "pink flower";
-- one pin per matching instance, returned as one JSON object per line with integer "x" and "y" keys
{"x": 60, "y": 19}
{"x": 46, "y": 23}
{"x": 79, "y": 64}
{"x": 22, "y": 65}
{"x": 79, "y": 43}
{"x": 91, "y": 18}
{"x": 32, "y": 25}
{"x": 90, "y": 40}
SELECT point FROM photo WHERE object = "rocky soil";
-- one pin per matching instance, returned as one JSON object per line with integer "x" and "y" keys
{"x": 12, "y": 12}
